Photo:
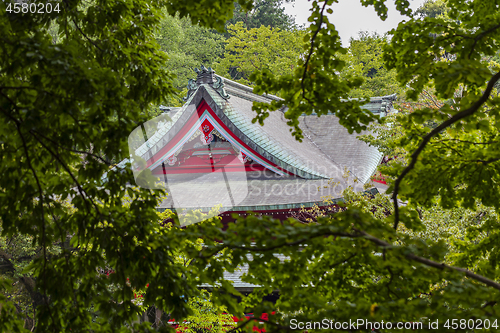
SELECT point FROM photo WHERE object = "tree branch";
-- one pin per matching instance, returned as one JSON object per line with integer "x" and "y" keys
{"x": 271, "y": 248}
{"x": 311, "y": 52}
{"x": 462, "y": 114}
{"x": 83, "y": 193}
{"x": 73, "y": 150}
{"x": 485, "y": 162}
{"x": 25, "y": 281}
{"x": 434, "y": 264}
{"x": 381, "y": 243}
{"x": 471, "y": 142}
{"x": 7, "y": 258}
{"x": 86, "y": 37}
{"x": 478, "y": 37}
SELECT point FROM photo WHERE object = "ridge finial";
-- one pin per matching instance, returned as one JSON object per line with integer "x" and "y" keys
{"x": 206, "y": 76}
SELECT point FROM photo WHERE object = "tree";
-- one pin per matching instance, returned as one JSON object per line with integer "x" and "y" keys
{"x": 432, "y": 8}
{"x": 269, "y": 13}
{"x": 250, "y": 50}
{"x": 80, "y": 97}
{"x": 67, "y": 105}
{"x": 364, "y": 59}
{"x": 452, "y": 164}
{"x": 16, "y": 254}
{"x": 206, "y": 317}
{"x": 187, "y": 46}
{"x": 451, "y": 226}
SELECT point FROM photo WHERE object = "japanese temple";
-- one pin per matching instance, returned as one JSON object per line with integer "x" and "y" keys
{"x": 208, "y": 152}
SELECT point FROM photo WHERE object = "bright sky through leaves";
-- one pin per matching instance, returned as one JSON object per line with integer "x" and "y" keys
{"x": 350, "y": 17}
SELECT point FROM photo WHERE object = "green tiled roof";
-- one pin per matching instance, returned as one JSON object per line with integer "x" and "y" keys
{"x": 276, "y": 140}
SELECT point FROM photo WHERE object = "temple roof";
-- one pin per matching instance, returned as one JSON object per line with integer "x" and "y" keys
{"x": 238, "y": 275}
{"x": 324, "y": 156}
{"x": 328, "y": 138}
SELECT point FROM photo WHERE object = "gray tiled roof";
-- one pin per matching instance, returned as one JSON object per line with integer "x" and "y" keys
{"x": 320, "y": 160}
{"x": 237, "y": 89}
{"x": 276, "y": 137}
{"x": 326, "y": 142}
{"x": 237, "y": 276}
{"x": 327, "y": 145}
{"x": 159, "y": 138}
{"x": 261, "y": 193}
{"x": 345, "y": 149}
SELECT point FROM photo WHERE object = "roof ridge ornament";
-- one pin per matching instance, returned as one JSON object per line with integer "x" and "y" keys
{"x": 218, "y": 85}
{"x": 206, "y": 76}
{"x": 387, "y": 101}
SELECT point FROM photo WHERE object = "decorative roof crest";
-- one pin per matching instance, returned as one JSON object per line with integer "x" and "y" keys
{"x": 387, "y": 101}
{"x": 206, "y": 76}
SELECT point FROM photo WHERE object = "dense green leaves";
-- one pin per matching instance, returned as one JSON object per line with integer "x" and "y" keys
{"x": 66, "y": 109}
{"x": 315, "y": 85}
{"x": 364, "y": 59}
{"x": 73, "y": 86}
{"x": 207, "y": 13}
{"x": 207, "y": 317}
{"x": 432, "y": 8}
{"x": 187, "y": 46}
{"x": 269, "y": 13}
{"x": 251, "y": 50}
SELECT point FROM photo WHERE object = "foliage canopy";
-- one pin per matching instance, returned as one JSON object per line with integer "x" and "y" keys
{"x": 67, "y": 105}
{"x": 252, "y": 50}
{"x": 268, "y": 13}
